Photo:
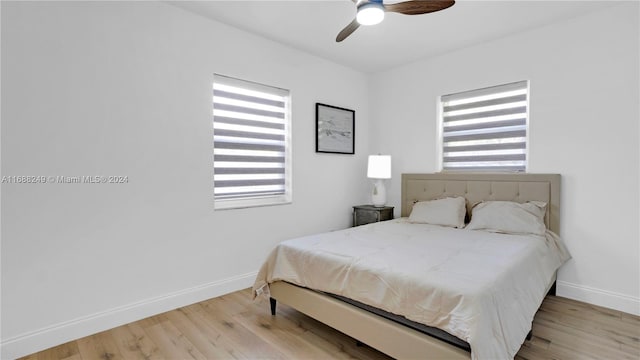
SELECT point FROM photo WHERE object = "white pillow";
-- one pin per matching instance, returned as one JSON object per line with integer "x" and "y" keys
{"x": 509, "y": 217}
{"x": 446, "y": 212}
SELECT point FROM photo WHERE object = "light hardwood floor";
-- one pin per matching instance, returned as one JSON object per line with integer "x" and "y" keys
{"x": 233, "y": 326}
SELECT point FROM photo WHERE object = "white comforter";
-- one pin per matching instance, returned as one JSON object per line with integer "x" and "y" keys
{"x": 482, "y": 287}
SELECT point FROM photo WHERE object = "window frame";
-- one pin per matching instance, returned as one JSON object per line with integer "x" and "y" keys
{"x": 440, "y": 143}
{"x": 249, "y": 201}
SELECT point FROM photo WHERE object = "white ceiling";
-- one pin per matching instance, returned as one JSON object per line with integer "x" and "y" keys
{"x": 312, "y": 26}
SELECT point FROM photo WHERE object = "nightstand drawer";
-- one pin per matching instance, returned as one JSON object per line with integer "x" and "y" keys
{"x": 366, "y": 214}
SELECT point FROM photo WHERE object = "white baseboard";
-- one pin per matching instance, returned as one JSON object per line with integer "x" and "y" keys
{"x": 45, "y": 338}
{"x": 608, "y": 299}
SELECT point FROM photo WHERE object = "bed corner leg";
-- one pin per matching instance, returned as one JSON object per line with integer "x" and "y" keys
{"x": 272, "y": 302}
{"x": 530, "y": 335}
{"x": 552, "y": 289}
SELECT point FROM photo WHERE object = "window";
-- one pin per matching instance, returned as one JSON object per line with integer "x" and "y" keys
{"x": 251, "y": 144}
{"x": 486, "y": 129}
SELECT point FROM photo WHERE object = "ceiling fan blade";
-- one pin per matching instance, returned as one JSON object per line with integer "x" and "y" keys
{"x": 348, "y": 30}
{"x": 417, "y": 7}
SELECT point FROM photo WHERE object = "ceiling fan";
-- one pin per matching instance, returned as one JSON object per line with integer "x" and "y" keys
{"x": 371, "y": 12}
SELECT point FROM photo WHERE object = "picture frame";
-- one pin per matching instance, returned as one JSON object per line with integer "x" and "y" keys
{"x": 335, "y": 129}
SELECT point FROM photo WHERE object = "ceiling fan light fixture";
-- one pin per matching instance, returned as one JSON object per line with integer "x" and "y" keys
{"x": 370, "y": 14}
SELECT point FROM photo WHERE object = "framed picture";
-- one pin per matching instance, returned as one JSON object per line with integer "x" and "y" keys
{"x": 335, "y": 129}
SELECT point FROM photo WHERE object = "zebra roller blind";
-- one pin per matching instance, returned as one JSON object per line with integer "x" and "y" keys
{"x": 486, "y": 129}
{"x": 250, "y": 140}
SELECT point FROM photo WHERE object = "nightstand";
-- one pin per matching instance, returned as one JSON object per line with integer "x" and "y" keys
{"x": 365, "y": 214}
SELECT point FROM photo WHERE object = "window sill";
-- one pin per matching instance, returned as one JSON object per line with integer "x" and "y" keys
{"x": 251, "y": 202}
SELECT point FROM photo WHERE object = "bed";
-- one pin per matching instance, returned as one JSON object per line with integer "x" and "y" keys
{"x": 351, "y": 292}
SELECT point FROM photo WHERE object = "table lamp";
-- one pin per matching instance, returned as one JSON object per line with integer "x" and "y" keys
{"x": 379, "y": 168}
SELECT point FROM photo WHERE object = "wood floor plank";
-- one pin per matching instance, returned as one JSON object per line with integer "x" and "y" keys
{"x": 64, "y": 351}
{"x": 594, "y": 332}
{"x": 631, "y": 319}
{"x": 587, "y": 330}
{"x": 234, "y": 326}
{"x": 172, "y": 342}
{"x": 589, "y": 345}
{"x": 634, "y": 351}
{"x": 581, "y": 315}
{"x": 201, "y": 321}
{"x": 539, "y": 342}
{"x": 528, "y": 352}
{"x": 34, "y": 356}
{"x": 241, "y": 338}
{"x": 152, "y": 320}
{"x": 207, "y": 347}
{"x": 289, "y": 339}
{"x": 237, "y": 302}
{"x": 134, "y": 343}
{"x": 73, "y": 357}
{"x": 561, "y": 351}
{"x": 100, "y": 346}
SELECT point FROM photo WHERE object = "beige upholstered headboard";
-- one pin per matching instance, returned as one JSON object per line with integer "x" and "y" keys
{"x": 476, "y": 187}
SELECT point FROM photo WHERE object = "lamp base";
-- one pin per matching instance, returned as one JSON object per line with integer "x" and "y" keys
{"x": 379, "y": 195}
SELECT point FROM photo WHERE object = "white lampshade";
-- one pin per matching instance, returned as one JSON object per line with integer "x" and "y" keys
{"x": 379, "y": 167}
{"x": 370, "y": 14}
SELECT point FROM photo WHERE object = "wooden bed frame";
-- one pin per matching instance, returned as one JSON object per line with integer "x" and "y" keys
{"x": 388, "y": 336}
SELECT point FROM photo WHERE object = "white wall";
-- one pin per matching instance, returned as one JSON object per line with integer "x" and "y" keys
{"x": 93, "y": 88}
{"x": 583, "y": 124}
